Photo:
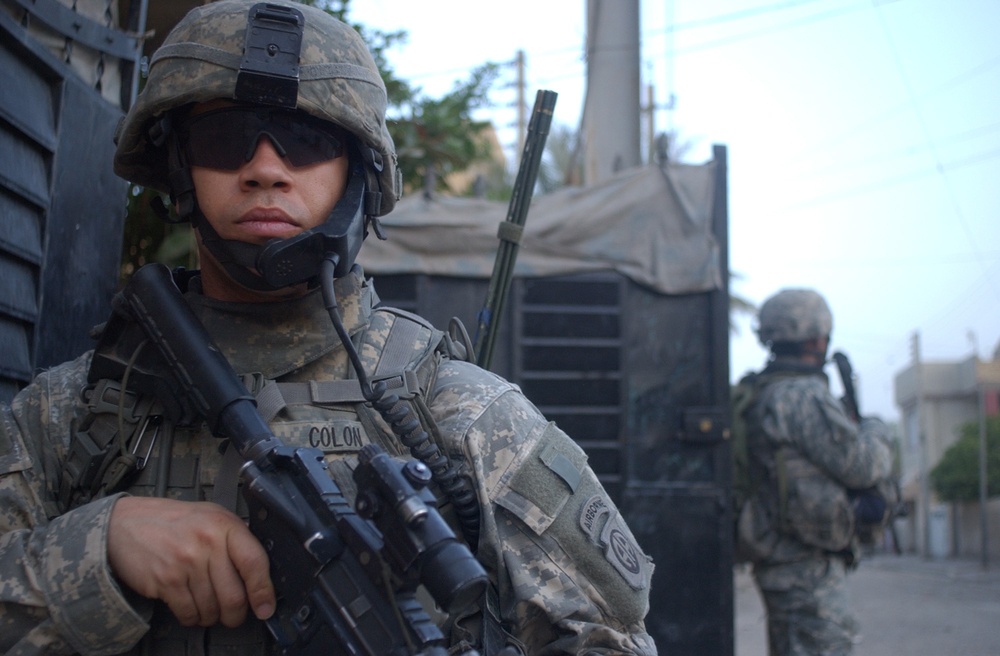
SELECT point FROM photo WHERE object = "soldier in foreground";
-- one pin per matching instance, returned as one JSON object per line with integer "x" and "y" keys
{"x": 121, "y": 528}
{"x": 812, "y": 467}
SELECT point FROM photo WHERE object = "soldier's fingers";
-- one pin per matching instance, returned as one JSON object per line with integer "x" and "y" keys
{"x": 204, "y": 594}
{"x": 229, "y": 591}
{"x": 251, "y": 562}
{"x": 181, "y": 603}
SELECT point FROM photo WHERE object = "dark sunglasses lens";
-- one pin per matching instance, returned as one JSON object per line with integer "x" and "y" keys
{"x": 226, "y": 139}
{"x": 304, "y": 142}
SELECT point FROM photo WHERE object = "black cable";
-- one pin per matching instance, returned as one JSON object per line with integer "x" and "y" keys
{"x": 402, "y": 422}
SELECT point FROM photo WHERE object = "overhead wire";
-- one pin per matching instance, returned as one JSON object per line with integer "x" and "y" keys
{"x": 879, "y": 159}
{"x": 921, "y": 120}
{"x": 940, "y": 168}
{"x": 895, "y": 110}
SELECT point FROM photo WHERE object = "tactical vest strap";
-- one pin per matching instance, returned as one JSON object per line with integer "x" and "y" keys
{"x": 398, "y": 351}
{"x": 112, "y": 444}
{"x": 273, "y": 397}
{"x": 225, "y": 492}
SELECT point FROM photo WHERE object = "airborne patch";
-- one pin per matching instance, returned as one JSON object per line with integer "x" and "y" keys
{"x": 605, "y": 527}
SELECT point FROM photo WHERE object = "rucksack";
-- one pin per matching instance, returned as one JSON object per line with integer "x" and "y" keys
{"x": 741, "y": 399}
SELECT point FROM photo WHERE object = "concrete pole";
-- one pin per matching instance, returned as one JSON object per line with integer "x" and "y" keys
{"x": 611, "y": 124}
{"x": 925, "y": 495}
{"x": 650, "y": 110}
{"x": 983, "y": 481}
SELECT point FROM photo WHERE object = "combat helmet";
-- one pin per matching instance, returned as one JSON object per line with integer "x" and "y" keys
{"x": 794, "y": 315}
{"x": 249, "y": 52}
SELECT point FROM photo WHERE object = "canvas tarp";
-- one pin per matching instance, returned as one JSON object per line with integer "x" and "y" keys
{"x": 651, "y": 224}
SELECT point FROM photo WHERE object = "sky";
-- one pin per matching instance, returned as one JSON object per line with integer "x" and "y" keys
{"x": 863, "y": 142}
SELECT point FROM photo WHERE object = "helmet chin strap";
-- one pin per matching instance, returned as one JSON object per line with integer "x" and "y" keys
{"x": 281, "y": 263}
{"x": 237, "y": 258}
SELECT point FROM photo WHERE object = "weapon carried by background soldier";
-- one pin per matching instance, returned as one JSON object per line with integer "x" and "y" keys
{"x": 123, "y": 526}
{"x": 875, "y": 508}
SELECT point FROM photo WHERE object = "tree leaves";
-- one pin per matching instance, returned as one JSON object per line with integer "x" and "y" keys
{"x": 956, "y": 476}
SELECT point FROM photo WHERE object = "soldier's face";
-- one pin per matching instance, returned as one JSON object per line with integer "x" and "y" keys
{"x": 268, "y": 196}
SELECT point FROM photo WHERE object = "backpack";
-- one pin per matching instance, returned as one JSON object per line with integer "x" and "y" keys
{"x": 741, "y": 399}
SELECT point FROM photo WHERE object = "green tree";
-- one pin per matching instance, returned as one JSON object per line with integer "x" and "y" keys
{"x": 956, "y": 476}
{"x": 560, "y": 166}
{"x": 435, "y": 137}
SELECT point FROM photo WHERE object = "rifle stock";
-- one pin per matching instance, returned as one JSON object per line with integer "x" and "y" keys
{"x": 342, "y": 588}
{"x": 895, "y": 507}
{"x": 846, "y": 372}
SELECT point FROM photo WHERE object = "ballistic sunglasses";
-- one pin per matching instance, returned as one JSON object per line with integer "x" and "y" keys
{"x": 227, "y": 138}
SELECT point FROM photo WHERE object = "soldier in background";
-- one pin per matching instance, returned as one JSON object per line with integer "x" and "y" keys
{"x": 808, "y": 460}
{"x": 121, "y": 531}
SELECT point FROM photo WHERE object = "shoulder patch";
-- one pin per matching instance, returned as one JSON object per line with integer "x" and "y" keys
{"x": 605, "y": 527}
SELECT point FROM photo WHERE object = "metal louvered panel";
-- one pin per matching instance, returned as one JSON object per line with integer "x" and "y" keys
{"x": 61, "y": 206}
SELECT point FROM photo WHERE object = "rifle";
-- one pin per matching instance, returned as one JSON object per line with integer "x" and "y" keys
{"x": 346, "y": 579}
{"x": 510, "y": 229}
{"x": 894, "y": 510}
{"x": 846, "y": 372}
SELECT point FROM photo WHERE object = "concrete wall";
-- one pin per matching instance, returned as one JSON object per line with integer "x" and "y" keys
{"x": 967, "y": 529}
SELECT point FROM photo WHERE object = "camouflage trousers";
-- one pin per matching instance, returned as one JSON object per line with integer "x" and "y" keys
{"x": 808, "y": 609}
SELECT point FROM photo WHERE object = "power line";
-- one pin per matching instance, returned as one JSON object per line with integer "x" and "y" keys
{"x": 939, "y": 168}
{"x": 806, "y": 20}
{"x": 949, "y": 187}
{"x": 715, "y": 20}
{"x": 881, "y": 117}
{"x": 738, "y": 15}
{"x": 906, "y": 151}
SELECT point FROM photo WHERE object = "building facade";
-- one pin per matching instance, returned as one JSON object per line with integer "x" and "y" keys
{"x": 935, "y": 399}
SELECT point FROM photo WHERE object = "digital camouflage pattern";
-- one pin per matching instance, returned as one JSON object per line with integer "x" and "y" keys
{"x": 799, "y": 433}
{"x": 570, "y": 576}
{"x": 808, "y": 609}
{"x": 200, "y": 59}
{"x": 794, "y": 315}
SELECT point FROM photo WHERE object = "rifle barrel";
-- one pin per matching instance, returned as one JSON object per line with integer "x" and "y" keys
{"x": 512, "y": 227}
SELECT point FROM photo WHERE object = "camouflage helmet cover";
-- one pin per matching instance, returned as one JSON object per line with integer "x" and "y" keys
{"x": 794, "y": 315}
{"x": 199, "y": 61}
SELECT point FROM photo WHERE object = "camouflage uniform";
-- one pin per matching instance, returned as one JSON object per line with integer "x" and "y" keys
{"x": 563, "y": 588}
{"x": 798, "y": 527}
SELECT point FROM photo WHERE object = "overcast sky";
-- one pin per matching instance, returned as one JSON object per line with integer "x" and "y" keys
{"x": 863, "y": 140}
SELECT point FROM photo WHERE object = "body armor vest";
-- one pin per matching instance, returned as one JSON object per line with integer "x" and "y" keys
{"x": 140, "y": 441}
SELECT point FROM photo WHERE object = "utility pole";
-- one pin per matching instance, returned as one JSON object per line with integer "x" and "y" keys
{"x": 925, "y": 495}
{"x": 611, "y": 123}
{"x": 651, "y": 122}
{"x": 983, "y": 482}
{"x": 522, "y": 116}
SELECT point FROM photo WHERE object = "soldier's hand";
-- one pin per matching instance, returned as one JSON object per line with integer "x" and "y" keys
{"x": 199, "y": 558}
